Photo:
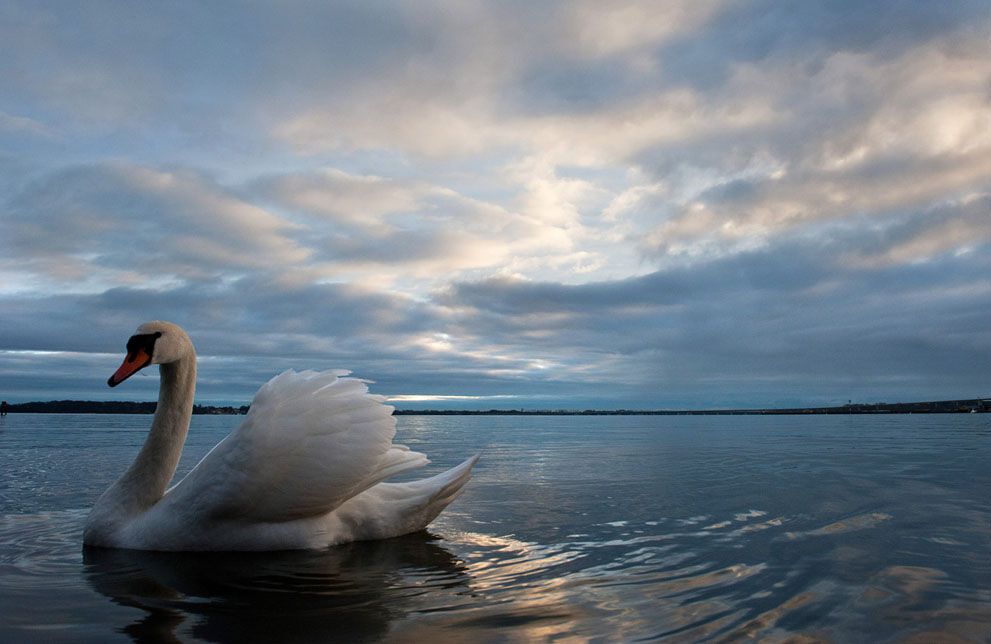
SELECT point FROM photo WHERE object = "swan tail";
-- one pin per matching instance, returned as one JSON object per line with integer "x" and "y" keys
{"x": 392, "y": 509}
{"x": 398, "y": 460}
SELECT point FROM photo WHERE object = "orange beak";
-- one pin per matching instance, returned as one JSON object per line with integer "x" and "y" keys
{"x": 134, "y": 362}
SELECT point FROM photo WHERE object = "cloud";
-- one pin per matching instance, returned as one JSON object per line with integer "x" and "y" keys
{"x": 958, "y": 229}
{"x": 863, "y": 134}
{"x": 132, "y": 223}
{"x": 573, "y": 79}
{"x": 366, "y": 224}
{"x": 789, "y": 318}
{"x": 251, "y": 329}
{"x": 766, "y": 32}
{"x": 23, "y": 124}
{"x": 348, "y": 198}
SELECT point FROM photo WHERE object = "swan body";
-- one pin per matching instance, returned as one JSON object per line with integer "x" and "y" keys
{"x": 304, "y": 470}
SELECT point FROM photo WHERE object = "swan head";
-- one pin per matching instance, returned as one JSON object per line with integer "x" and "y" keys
{"x": 153, "y": 343}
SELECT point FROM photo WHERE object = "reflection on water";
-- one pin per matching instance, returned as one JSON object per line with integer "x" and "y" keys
{"x": 859, "y": 522}
{"x": 356, "y": 590}
{"x": 616, "y": 529}
{"x": 673, "y": 583}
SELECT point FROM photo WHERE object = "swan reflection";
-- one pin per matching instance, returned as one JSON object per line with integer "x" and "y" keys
{"x": 347, "y": 593}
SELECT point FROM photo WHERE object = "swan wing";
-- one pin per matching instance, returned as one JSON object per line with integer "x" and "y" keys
{"x": 311, "y": 441}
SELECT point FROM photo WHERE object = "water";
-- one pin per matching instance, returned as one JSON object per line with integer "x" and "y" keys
{"x": 619, "y": 528}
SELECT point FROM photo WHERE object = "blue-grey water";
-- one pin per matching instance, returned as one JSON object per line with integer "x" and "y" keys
{"x": 616, "y": 528}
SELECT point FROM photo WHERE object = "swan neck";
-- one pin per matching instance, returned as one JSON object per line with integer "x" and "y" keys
{"x": 148, "y": 477}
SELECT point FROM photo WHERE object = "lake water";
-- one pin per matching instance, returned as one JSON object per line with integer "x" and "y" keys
{"x": 616, "y": 528}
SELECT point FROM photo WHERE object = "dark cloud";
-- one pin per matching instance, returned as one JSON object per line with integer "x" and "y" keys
{"x": 768, "y": 324}
{"x": 765, "y": 30}
{"x": 159, "y": 223}
{"x": 246, "y": 331}
{"x": 228, "y": 318}
{"x": 760, "y": 273}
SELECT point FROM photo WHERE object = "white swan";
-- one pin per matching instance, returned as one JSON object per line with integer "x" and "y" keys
{"x": 303, "y": 470}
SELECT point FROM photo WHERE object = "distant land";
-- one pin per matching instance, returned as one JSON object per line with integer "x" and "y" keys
{"x": 967, "y": 405}
{"x": 112, "y": 407}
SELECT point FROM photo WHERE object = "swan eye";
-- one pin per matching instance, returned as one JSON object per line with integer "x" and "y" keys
{"x": 144, "y": 341}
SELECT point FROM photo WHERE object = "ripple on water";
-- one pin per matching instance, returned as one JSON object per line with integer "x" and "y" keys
{"x": 37, "y": 549}
{"x": 465, "y": 583}
{"x": 747, "y": 573}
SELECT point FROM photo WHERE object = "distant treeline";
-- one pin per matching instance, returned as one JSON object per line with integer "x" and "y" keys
{"x": 112, "y": 407}
{"x": 931, "y": 407}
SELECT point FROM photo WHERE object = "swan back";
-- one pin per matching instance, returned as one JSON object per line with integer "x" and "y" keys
{"x": 311, "y": 440}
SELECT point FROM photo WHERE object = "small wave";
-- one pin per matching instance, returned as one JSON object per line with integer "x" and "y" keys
{"x": 859, "y": 522}
{"x": 749, "y": 514}
{"x": 37, "y": 549}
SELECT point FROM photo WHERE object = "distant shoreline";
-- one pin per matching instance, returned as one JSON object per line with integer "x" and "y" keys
{"x": 112, "y": 407}
{"x": 962, "y": 406}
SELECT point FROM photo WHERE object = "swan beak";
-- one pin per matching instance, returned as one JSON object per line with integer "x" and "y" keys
{"x": 134, "y": 362}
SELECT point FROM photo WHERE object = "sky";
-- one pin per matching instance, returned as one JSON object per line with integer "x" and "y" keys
{"x": 644, "y": 205}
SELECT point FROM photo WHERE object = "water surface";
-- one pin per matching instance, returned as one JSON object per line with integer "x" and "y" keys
{"x": 618, "y": 528}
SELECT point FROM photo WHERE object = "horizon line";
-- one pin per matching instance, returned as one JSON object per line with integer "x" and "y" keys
{"x": 931, "y": 406}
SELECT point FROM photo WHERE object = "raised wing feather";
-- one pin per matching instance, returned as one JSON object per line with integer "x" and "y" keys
{"x": 310, "y": 441}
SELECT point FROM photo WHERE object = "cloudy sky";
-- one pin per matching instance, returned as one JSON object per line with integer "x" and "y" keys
{"x": 695, "y": 203}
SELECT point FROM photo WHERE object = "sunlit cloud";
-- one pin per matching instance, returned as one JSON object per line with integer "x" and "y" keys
{"x": 442, "y": 398}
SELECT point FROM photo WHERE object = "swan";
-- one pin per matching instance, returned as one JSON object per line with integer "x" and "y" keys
{"x": 304, "y": 470}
